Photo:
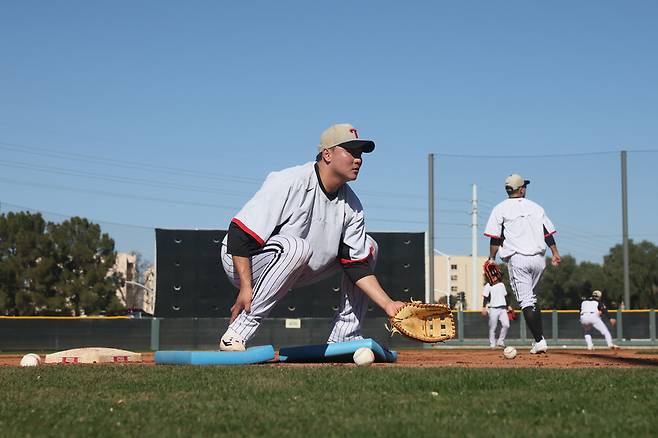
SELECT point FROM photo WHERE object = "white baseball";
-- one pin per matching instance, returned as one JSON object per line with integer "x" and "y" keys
{"x": 30, "y": 360}
{"x": 509, "y": 352}
{"x": 363, "y": 357}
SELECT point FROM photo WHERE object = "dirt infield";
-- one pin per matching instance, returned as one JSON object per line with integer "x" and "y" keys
{"x": 463, "y": 358}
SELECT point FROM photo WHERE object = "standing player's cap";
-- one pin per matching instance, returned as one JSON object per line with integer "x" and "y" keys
{"x": 345, "y": 136}
{"x": 597, "y": 294}
{"x": 515, "y": 181}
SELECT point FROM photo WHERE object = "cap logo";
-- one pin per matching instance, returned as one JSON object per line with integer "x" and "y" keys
{"x": 353, "y": 130}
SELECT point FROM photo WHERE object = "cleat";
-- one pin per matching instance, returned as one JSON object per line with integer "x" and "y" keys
{"x": 539, "y": 347}
{"x": 590, "y": 347}
{"x": 231, "y": 342}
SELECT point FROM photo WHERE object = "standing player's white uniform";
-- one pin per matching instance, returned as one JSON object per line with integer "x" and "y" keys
{"x": 497, "y": 312}
{"x": 523, "y": 225}
{"x": 305, "y": 234}
{"x": 520, "y": 230}
{"x": 591, "y": 310}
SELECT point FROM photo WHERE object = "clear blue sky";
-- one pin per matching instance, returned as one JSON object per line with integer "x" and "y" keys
{"x": 169, "y": 114}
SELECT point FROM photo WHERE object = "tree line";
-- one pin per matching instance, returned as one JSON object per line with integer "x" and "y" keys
{"x": 564, "y": 286}
{"x": 51, "y": 268}
{"x": 64, "y": 268}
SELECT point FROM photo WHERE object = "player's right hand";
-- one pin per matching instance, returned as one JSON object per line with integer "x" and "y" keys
{"x": 556, "y": 259}
{"x": 484, "y": 312}
{"x": 392, "y": 307}
{"x": 242, "y": 302}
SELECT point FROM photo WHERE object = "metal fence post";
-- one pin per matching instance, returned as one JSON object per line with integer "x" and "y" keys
{"x": 652, "y": 325}
{"x": 620, "y": 328}
{"x": 522, "y": 329}
{"x": 460, "y": 325}
{"x": 155, "y": 334}
{"x": 555, "y": 326}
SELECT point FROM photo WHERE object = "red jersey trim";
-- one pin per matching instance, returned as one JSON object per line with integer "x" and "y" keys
{"x": 549, "y": 234}
{"x": 492, "y": 236}
{"x": 348, "y": 262}
{"x": 246, "y": 229}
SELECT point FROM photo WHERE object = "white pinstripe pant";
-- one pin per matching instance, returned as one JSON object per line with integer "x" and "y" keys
{"x": 281, "y": 265}
{"x": 524, "y": 275}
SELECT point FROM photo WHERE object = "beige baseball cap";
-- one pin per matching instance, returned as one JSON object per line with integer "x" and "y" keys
{"x": 515, "y": 181}
{"x": 597, "y": 294}
{"x": 345, "y": 136}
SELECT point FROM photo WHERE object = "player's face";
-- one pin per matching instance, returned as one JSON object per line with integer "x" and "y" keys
{"x": 346, "y": 162}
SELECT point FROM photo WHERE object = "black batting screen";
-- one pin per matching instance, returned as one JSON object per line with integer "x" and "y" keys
{"x": 191, "y": 282}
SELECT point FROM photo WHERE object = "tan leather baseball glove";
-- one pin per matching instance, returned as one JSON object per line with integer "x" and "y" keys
{"x": 424, "y": 322}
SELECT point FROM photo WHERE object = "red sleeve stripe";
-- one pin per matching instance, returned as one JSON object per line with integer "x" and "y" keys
{"x": 347, "y": 262}
{"x": 246, "y": 229}
{"x": 492, "y": 236}
{"x": 549, "y": 234}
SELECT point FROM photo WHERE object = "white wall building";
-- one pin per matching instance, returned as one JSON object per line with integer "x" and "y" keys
{"x": 453, "y": 274}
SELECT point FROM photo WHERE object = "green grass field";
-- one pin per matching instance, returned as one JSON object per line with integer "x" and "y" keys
{"x": 326, "y": 401}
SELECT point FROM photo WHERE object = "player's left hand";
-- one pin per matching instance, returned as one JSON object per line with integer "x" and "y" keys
{"x": 392, "y": 308}
{"x": 556, "y": 259}
{"x": 242, "y": 302}
{"x": 613, "y": 321}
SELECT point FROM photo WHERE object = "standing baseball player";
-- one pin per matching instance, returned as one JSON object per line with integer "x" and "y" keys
{"x": 304, "y": 224}
{"x": 591, "y": 311}
{"x": 494, "y": 295}
{"x": 520, "y": 230}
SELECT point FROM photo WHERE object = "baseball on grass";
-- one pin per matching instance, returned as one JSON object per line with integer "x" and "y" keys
{"x": 30, "y": 360}
{"x": 363, "y": 357}
{"x": 509, "y": 352}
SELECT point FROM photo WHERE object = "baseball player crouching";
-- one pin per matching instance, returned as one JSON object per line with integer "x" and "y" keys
{"x": 520, "y": 230}
{"x": 494, "y": 295}
{"x": 303, "y": 225}
{"x": 591, "y": 311}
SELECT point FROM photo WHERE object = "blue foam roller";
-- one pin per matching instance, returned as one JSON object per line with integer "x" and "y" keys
{"x": 338, "y": 350}
{"x": 251, "y": 355}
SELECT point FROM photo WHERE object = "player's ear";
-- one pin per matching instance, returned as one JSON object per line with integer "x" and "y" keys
{"x": 326, "y": 155}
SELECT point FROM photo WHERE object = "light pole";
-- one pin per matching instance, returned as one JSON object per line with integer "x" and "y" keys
{"x": 447, "y": 273}
{"x": 134, "y": 283}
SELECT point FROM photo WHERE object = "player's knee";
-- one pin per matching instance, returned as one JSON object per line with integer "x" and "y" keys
{"x": 295, "y": 247}
{"x": 306, "y": 251}
{"x": 527, "y": 302}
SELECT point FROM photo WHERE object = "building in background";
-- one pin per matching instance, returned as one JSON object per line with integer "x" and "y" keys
{"x": 452, "y": 280}
{"x": 133, "y": 294}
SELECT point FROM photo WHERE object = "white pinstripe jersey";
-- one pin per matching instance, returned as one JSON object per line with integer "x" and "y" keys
{"x": 523, "y": 222}
{"x": 291, "y": 202}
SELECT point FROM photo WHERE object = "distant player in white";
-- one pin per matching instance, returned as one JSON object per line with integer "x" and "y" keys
{"x": 494, "y": 295}
{"x": 591, "y": 311}
{"x": 304, "y": 224}
{"x": 521, "y": 230}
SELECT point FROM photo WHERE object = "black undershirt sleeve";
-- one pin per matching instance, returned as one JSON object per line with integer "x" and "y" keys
{"x": 240, "y": 243}
{"x": 355, "y": 271}
{"x": 550, "y": 241}
{"x": 495, "y": 241}
{"x": 498, "y": 241}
